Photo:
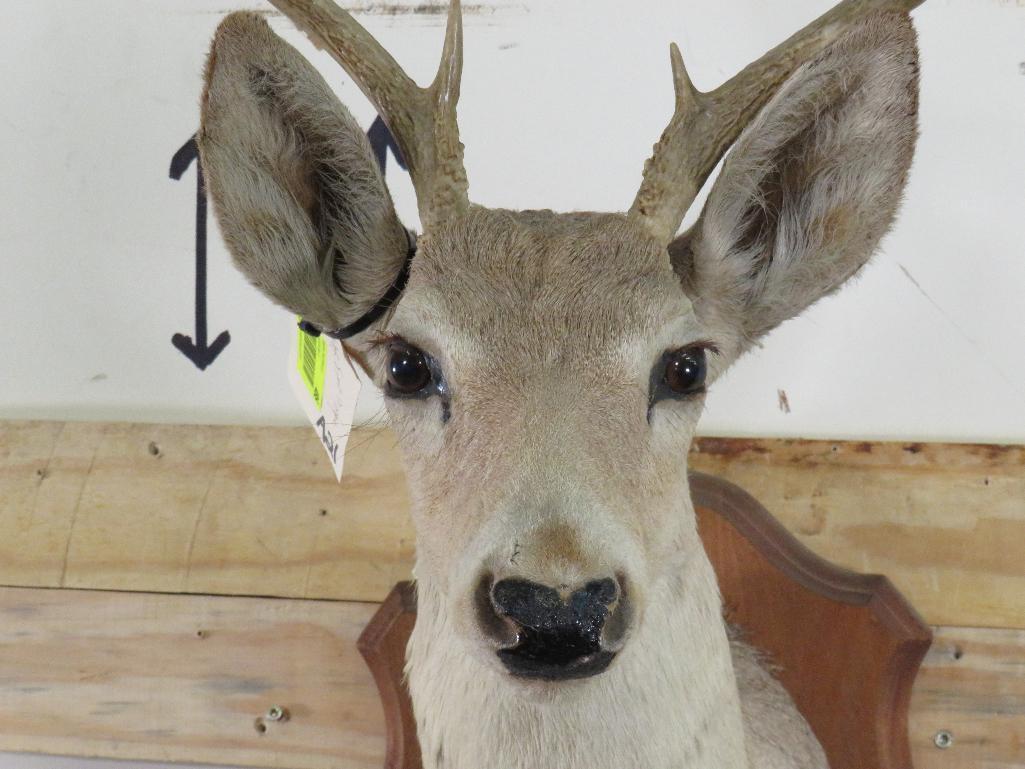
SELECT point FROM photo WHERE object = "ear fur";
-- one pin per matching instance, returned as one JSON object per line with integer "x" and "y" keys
{"x": 298, "y": 193}
{"x": 810, "y": 187}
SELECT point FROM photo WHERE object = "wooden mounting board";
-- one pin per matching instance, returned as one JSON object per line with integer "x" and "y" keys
{"x": 131, "y": 675}
{"x": 848, "y": 645}
{"x": 256, "y": 511}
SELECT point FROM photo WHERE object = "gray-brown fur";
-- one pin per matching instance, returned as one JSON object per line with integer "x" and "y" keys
{"x": 294, "y": 182}
{"x": 812, "y": 185}
{"x": 554, "y": 466}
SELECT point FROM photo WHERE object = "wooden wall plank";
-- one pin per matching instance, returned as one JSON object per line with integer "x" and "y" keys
{"x": 256, "y": 511}
{"x": 203, "y": 509}
{"x": 972, "y": 685}
{"x": 185, "y": 678}
{"x": 43, "y": 467}
{"x": 945, "y": 522}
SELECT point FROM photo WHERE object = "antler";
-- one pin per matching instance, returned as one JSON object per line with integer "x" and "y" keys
{"x": 422, "y": 120}
{"x": 704, "y": 125}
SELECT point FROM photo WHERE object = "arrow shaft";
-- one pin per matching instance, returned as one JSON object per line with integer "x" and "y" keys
{"x": 200, "y": 258}
{"x": 196, "y": 349}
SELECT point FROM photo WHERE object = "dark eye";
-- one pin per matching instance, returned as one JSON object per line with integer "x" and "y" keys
{"x": 409, "y": 372}
{"x": 685, "y": 370}
{"x": 679, "y": 374}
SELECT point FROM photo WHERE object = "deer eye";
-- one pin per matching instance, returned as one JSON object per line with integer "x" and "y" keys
{"x": 685, "y": 370}
{"x": 678, "y": 374}
{"x": 409, "y": 372}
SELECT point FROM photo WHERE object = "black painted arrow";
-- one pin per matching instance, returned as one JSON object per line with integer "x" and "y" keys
{"x": 381, "y": 140}
{"x": 198, "y": 351}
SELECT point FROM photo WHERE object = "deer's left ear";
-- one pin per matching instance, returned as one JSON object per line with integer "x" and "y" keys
{"x": 810, "y": 187}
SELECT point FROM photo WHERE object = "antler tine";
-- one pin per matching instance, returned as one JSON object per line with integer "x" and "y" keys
{"x": 422, "y": 120}
{"x": 704, "y": 125}
{"x": 450, "y": 185}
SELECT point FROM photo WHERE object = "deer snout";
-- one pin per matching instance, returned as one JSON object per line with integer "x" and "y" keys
{"x": 558, "y": 634}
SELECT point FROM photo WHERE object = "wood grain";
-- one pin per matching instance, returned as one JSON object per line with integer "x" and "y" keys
{"x": 185, "y": 678}
{"x": 972, "y": 685}
{"x": 238, "y": 511}
{"x": 222, "y": 510}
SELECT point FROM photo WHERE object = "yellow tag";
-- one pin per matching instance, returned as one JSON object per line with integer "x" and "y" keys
{"x": 311, "y": 362}
{"x": 327, "y": 386}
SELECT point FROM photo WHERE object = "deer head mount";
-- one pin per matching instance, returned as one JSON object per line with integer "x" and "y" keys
{"x": 545, "y": 372}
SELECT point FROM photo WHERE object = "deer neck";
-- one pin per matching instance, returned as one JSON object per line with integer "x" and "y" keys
{"x": 670, "y": 700}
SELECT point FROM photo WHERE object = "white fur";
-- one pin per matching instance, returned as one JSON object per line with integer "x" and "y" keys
{"x": 670, "y": 700}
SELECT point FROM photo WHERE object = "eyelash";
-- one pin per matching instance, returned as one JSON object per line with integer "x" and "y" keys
{"x": 383, "y": 339}
{"x": 703, "y": 344}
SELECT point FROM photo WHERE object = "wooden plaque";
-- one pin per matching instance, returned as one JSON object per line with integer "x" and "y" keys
{"x": 848, "y": 645}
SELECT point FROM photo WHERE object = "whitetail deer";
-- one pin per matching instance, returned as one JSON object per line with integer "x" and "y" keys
{"x": 545, "y": 372}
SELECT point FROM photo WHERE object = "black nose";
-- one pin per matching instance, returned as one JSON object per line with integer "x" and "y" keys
{"x": 556, "y": 639}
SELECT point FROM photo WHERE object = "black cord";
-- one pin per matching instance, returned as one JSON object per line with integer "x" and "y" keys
{"x": 374, "y": 313}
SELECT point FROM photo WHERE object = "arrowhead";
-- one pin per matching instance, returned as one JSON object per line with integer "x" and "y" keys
{"x": 201, "y": 356}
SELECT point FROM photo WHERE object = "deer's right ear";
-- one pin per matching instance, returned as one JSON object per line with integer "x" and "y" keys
{"x": 297, "y": 190}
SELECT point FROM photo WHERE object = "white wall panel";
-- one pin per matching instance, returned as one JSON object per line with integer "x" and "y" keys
{"x": 561, "y": 103}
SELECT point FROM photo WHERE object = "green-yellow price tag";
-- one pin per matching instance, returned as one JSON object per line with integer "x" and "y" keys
{"x": 311, "y": 362}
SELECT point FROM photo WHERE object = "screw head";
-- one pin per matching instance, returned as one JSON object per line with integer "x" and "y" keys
{"x": 943, "y": 739}
{"x": 276, "y": 713}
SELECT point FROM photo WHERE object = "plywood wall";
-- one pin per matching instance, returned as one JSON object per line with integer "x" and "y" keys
{"x": 191, "y": 678}
{"x": 239, "y": 510}
{"x": 140, "y": 524}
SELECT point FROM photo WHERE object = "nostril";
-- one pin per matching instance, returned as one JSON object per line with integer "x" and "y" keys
{"x": 507, "y": 595}
{"x": 595, "y": 601}
{"x": 602, "y": 591}
{"x": 492, "y": 622}
{"x": 619, "y": 620}
{"x": 526, "y": 603}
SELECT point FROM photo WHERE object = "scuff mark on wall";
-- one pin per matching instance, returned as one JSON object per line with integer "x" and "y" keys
{"x": 233, "y": 685}
{"x": 916, "y": 284}
{"x": 964, "y": 335}
{"x": 784, "y": 402}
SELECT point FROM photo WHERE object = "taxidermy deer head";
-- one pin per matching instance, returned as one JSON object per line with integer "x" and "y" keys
{"x": 545, "y": 372}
